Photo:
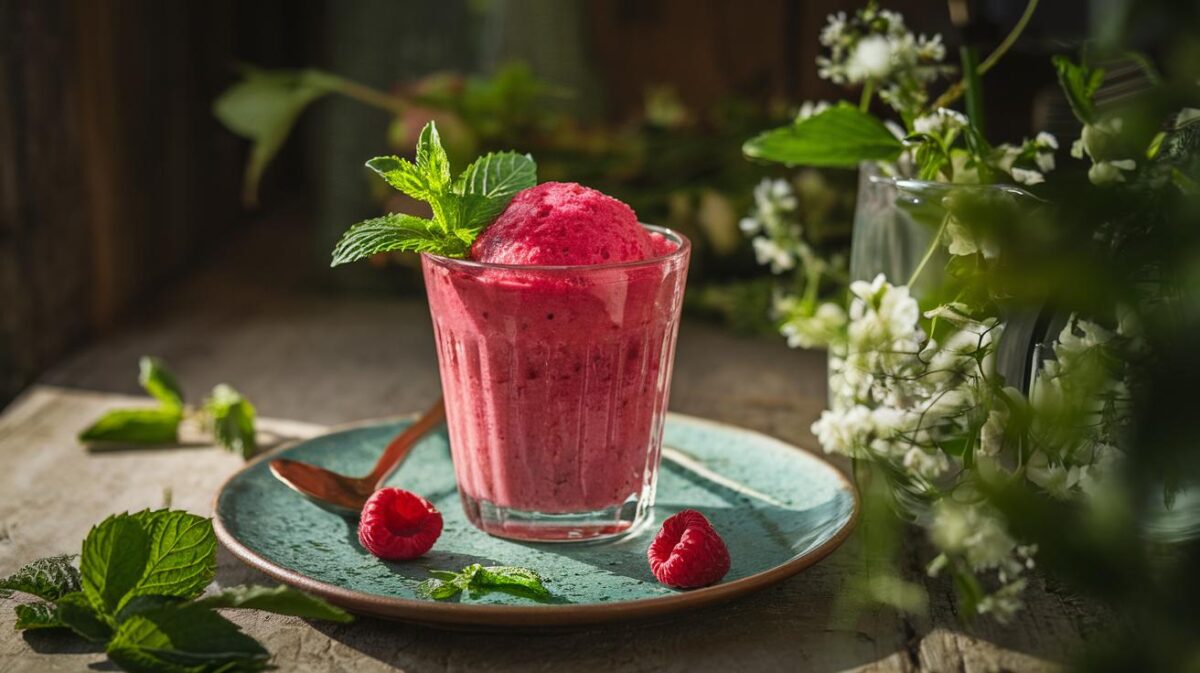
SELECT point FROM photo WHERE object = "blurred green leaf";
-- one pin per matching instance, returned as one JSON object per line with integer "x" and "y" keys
{"x": 157, "y": 380}
{"x": 263, "y": 108}
{"x": 1079, "y": 83}
{"x": 842, "y": 137}
{"x": 135, "y": 426}
{"x": 232, "y": 418}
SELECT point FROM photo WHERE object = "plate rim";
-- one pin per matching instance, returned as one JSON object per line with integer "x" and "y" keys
{"x": 571, "y": 615}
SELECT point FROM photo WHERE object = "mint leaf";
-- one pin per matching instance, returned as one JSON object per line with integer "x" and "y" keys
{"x": 37, "y": 616}
{"x": 114, "y": 558}
{"x": 432, "y": 160}
{"x": 48, "y": 578}
{"x": 394, "y": 232}
{"x": 135, "y": 426}
{"x": 183, "y": 554}
{"x": 160, "y": 382}
{"x": 1080, "y": 84}
{"x": 232, "y": 420}
{"x": 476, "y": 578}
{"x": 488, "y": 185}
{"x": 516, "y": 581}
{"x": 76, "y": 612}
{"x": 184, "y": 639}
{"x": 263, "y": 107}
{"x": 403, "y": 175}
{"x": 841, "y": 136}
{"x": 161, "y": 553}
{"x": 282, "y": 600}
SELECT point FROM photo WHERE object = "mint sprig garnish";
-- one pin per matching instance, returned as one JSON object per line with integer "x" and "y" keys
{"x": 462, "y": 207}
{"x": 226, "y": 412}
{"x": 479, "y": 579}
{"x": 138, "y": 591}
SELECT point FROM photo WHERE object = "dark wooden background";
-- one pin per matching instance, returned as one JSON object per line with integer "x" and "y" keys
{"x": 115, "y": 178}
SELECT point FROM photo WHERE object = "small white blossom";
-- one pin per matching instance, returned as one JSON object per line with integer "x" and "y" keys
{"x": 843, "y": 432}
{"x": 769, "y": 252}
{"x": 1027, "y": 177}
{"x": 1107, "y": 172}
{"x": 1055, "y": 478}
{"x": 871, "y": 59}
{"x": 927, "y": 464}
{"x": 819, "y": 329}
{"x": 1046, "y": 140}
{"x": 975, "y": 532}
{"x": 810, "y": 108}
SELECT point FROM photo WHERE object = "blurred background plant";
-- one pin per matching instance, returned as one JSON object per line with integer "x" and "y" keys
{"x": 674, "y": 165}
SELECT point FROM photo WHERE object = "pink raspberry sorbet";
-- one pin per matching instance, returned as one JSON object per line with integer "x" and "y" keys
{"x": 565, "y": 224}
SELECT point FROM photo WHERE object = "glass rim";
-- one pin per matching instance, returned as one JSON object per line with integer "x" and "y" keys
{"x": 914, "y": 185}
{"x": 683, "y": 248}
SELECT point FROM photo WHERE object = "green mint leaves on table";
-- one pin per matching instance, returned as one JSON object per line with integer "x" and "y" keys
{"x": 476, "y": 578}
{"x": 139, "y": 591}
{"x": 228, "y": 414}
{"x": 462, "y": 207}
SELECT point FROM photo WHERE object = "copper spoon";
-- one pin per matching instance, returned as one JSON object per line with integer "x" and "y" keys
{"x": 347, "y": 495}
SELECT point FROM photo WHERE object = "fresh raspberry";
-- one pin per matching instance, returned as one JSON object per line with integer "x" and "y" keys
{"x": 687, "y": 552}
{"x": 397, "y": 525}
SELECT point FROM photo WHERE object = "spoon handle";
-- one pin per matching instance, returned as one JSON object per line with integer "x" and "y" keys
{"x": 398, "y": 449}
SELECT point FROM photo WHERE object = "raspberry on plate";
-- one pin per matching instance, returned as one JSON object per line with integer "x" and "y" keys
{"x": 687, "y": 552}
{"x": 397, "y": 525}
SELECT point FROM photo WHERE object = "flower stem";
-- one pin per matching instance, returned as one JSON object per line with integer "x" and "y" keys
{"x": 365, "y": 94}
{"x": 954, "y": 92}
{"x": 933, "y": 245}
{"x": 864, "y": 103}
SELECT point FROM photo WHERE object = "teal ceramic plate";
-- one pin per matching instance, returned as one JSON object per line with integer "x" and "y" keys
{"x": 780, "y": 509}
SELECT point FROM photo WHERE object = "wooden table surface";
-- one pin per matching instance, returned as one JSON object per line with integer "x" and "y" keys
{"x": 316, "y": 360}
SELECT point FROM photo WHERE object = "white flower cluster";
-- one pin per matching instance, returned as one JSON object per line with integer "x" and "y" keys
{"x": 1028, "y": 162}
{"x": 975, "y": 534}
{"x": 1080, "y": 406}
{"x": 775, "y": 225}
{"x": 904, "y": 399}
{"x": 875, "y": 46}
{"x": 897, "y": 395}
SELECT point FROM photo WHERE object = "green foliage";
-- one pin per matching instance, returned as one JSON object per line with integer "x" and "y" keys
{"x": 135, "y": 426}
{"x": 226, "y": 412}
{"x": 1080, "y": 83}
{"x": 189, "y": 638}
{"x": 281, "y": 600}
{"x": 144, "y": 426}
{"x": 232, "y": 419}
{"x": 138, "y": 591}
{"x": 159, "y": 382}
{"x": 49, "y": 578}
{"x": 263, "y": 108}
{"x": 461, "y": 209}
{"x": 841, "y": 137}
{"x": 77, "y": 612}
{"x": 161, "y": 553}
{"x": 476, "y": 578}
{"x": 31, "y": 616}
